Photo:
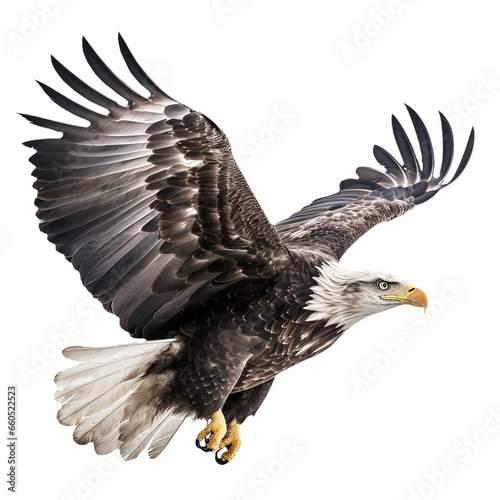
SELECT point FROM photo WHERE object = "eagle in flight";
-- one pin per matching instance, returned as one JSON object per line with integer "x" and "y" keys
{"x": 149, "y": 206}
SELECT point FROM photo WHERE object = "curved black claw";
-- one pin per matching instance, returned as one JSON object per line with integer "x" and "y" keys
{"x": 218, "y": 459}
{"x": 204, "y": 447}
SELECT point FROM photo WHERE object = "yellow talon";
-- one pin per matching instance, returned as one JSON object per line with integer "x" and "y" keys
{"x": 231, "y": 440}
{"x": 217, "y": 430}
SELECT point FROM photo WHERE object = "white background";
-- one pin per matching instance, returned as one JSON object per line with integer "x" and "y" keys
{"x": 355, "y": 422}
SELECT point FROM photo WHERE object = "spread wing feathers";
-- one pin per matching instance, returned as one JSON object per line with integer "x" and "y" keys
{"x": 375, "y": 196}
{"x": 108, "y": 397}
{"x": 147, "y": 201}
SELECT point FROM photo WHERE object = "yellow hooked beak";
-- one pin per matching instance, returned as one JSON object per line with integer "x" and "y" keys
{"x": 414, "y": 297}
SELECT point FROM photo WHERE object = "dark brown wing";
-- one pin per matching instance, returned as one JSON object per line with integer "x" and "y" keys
{"x": 147, "y": 202}
{"x": 330, "y": 225}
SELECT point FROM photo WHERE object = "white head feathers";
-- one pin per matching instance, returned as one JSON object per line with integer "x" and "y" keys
{"x": 343, "y": 297}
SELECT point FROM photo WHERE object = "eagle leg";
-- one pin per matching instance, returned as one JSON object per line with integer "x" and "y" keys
{"x": 231, "y": 441}
{"x": 215, "y": 431}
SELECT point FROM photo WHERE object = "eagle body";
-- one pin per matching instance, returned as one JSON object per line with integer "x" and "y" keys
{"x": 148, "y": 204}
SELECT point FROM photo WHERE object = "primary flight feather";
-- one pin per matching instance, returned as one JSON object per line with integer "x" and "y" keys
{"x": 149, "y": 206}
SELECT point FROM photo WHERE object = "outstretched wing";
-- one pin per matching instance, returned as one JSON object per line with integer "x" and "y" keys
{"x": 330, "y": 225}
{"x": 147, "y": 202}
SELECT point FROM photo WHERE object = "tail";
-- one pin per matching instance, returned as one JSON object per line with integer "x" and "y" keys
{"x": 111, "y": 401}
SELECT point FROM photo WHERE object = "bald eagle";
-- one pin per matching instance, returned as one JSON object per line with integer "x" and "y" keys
{"x": 149, "y": 206}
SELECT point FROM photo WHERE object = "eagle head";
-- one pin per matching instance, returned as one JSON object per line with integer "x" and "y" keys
{"x": 342, "y": 297}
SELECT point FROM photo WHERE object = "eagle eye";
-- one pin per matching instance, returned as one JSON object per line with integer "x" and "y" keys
{"x": 383, "y": 285}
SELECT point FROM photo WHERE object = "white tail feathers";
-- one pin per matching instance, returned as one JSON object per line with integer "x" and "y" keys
{"x": 110, "y": 401}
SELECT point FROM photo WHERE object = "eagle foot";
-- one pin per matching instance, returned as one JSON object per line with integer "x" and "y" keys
{"x": 212, "y": 433}
{"x": 231, "y": 441}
